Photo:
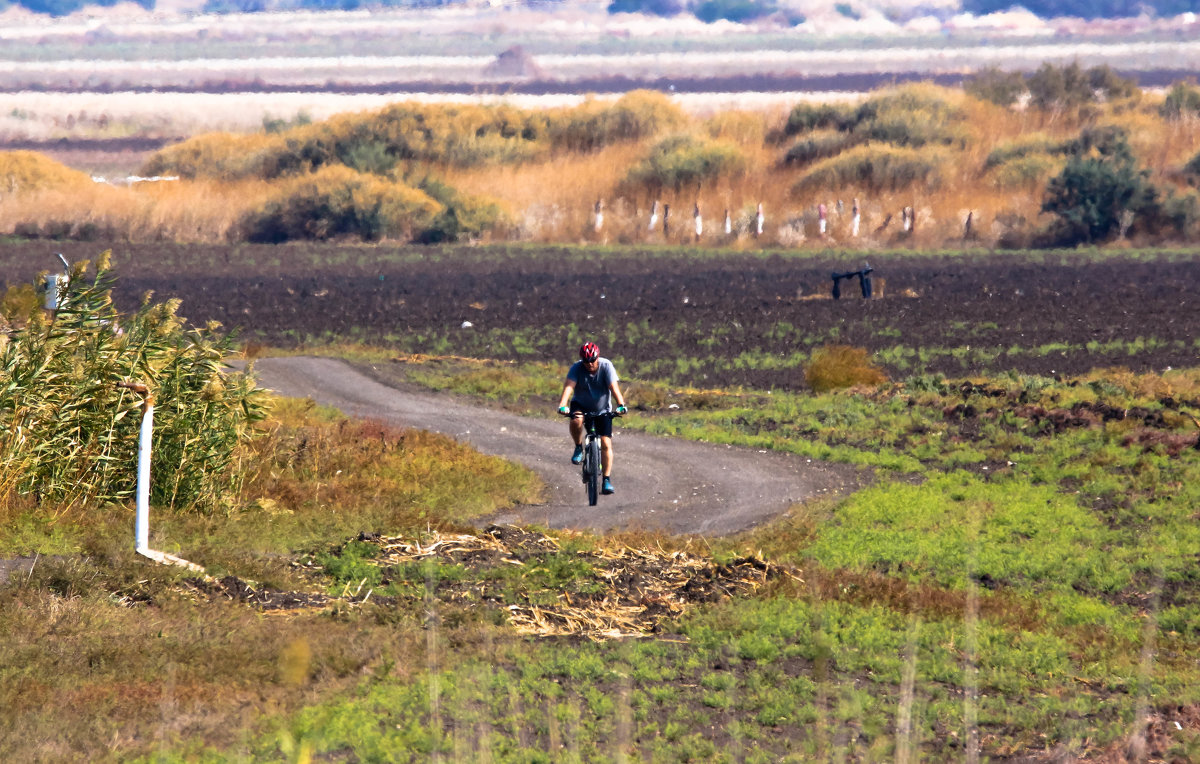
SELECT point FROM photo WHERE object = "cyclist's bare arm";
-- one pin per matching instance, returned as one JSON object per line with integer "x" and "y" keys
{"x": 568, "y": 391}
{"x": 615, "y": 388}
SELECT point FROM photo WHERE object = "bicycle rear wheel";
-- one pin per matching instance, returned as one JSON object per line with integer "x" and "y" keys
{"x": 592, "y": 459}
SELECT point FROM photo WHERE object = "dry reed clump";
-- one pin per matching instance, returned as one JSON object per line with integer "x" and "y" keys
{"x": 835, "y": 367}
{"x": 745, "y": 128}
{"x": 222, "y": 156}
{"x": 638, "y": 115}
{"x": 25, "y": 171}
{"x": 69, "y": 433}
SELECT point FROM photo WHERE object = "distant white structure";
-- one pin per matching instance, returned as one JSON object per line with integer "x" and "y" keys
{"x": 599, "y": 215}
{"x": 699, "y": 222}
{"x": 653, "y": 216}
{"x": 728, "y": 223}
{"x": 822, "y": 212}
{"x": 758, "y": 221}
{"x": 129, "y": 180}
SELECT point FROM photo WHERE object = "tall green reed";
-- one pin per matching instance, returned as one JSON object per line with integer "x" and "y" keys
{"x": 68, "y": 433}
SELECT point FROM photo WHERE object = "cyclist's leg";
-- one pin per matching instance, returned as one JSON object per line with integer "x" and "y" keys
{"x": 606, "y": 455}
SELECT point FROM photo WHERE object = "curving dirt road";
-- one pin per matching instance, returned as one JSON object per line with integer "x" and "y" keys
{"x": 664, "y": 484}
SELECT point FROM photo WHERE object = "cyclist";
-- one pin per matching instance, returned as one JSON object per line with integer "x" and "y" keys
{"x": 591, "y": 382}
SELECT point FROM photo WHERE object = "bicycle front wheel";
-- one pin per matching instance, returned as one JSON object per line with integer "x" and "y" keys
{"x": 593, "y": 474}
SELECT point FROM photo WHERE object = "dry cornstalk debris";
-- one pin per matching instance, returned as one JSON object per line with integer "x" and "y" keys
{"x": 617, "y": 593}
{"x": 598, "y": 594}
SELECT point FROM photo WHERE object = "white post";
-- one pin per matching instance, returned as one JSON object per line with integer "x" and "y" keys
{"x": 143, "y": 481}
{"x": 141, "y": 527}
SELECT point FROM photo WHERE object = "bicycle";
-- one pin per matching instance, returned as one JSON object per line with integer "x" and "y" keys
{"x": 592, "y": 466}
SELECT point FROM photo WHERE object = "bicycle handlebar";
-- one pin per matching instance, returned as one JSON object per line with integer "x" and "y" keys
{"x": 586, "y": 414}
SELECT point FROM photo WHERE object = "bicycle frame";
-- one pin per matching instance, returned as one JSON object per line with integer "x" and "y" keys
{"x": 592, "y": 465}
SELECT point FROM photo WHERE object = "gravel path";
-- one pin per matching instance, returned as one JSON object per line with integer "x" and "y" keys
{"x": 664, "y": 484}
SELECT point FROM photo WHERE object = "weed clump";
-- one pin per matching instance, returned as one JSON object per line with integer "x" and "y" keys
{"x": 835, "y": 367}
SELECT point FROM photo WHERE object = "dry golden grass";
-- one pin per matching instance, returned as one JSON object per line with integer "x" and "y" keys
{"x": 551, "y": 193}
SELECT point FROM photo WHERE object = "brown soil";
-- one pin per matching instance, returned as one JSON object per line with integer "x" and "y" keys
{"x": 664, "y": 304}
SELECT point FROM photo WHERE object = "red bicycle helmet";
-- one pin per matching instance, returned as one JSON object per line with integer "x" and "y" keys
{"x": 588, "y": 351}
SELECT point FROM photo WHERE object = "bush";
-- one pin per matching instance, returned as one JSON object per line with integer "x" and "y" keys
{"x": 914, "y": 115}
{"x": 1182, "y": 101}
{"x": 222, "y": 156}
{"x": 69, "y": 435}
{"x": 874, "y": 168}
{"x": 22, "y": 171}
{"x": 338, "y": 201}
{"x": 835, "y": 367}
{"x": 819, "y": 144}
{"x": 1024, "y": 172}
{"x": 636, "y": 115}
{"x": 462, "y": 216}
{"x": 805, "y": 116}
{"x": 1069, "y": 87}
{"x": 997, "y": 86}
{"x": 1025, "y": 146}
{"x": 1098, "y": 186}
{"x": 683, "y": 162}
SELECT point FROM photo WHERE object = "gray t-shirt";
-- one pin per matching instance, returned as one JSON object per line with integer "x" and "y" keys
{"x": 591, "y": 390}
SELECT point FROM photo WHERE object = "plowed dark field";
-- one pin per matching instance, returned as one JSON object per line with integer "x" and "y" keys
{"x": 696, "y": 317}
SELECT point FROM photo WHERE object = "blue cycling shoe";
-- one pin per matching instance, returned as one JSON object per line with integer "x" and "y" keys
{"x": 577, "y": 457}
{"x": 607, "y": 488}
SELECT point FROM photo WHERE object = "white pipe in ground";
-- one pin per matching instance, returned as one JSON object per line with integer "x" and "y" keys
{"x": 142, "y": 529}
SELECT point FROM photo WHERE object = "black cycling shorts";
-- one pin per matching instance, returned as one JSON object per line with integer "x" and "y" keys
{"x": 603, "y": 424}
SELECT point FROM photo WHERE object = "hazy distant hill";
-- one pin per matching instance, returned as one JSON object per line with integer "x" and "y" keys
{"x": 787, "y": 12}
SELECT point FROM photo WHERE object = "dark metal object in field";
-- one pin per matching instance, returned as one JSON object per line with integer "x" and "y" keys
{"x": 864, "y": 281}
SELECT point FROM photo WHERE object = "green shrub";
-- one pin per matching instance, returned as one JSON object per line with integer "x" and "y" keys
{"x": 835, "y": 367}
{"x": 461, "y": 217}
{"x": 825, "y": 116}
{"x": 682, "y": 162}
{"x": 914, "y": 115}
{"x": 1183, "y": 100}
{"x": 819, "y": 144}
{"x": 875, "y": 167}
{"x": 338, "y": 201}
{"x": 1024, "y": 172}
{"x": 1025, "y": 146}
{"x": 69, "y": 435}
{"x": 1071, "y": 86}
{"x": 1099, "y": 185}
{"x": 997, "y": 86}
